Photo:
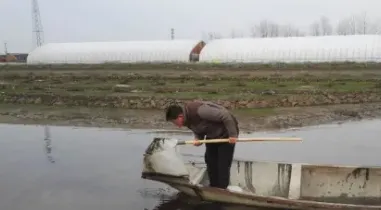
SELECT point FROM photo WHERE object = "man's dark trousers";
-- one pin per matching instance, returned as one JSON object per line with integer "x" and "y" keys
{"x": 218, "y": 159}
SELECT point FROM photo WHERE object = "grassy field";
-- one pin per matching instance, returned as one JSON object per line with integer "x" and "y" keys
{"x": 186, "y": 89}
{"x": 111, "y": 84}
{"x": 200, "y": 66}
{"x": 209, "y": 82}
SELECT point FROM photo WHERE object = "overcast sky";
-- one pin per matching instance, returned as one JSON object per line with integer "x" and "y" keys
{"x": 123, "y": 20}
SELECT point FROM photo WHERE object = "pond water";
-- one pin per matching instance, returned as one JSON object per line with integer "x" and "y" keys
{"x": 97, "y": 169}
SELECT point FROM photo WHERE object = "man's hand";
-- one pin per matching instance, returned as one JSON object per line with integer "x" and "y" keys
{"x": 197, "y": 143}
{"x": 232, "y": 140}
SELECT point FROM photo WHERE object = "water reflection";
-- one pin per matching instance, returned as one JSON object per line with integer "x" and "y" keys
{"x": 48, "y": 144}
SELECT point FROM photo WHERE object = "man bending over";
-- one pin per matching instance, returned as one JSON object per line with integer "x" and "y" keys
{"x": 208, "y": 120}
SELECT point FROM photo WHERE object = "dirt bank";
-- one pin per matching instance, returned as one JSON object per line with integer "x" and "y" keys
{"x": 135, "y": 96}
{"x": 250, "y": 120}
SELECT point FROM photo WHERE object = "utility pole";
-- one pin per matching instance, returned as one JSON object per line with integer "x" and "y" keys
{"x": 172, "y": 33}
{"x": 5, "y": 48}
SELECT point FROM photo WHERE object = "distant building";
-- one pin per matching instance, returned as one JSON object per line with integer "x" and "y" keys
{"x": 14, "y": 57}
{"x": 21, "y": 57}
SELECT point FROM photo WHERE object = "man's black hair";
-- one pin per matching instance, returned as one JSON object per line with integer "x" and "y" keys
{"x": 173, "y": 111}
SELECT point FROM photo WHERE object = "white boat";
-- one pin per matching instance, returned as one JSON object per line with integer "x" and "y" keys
{"x": 280, "y": 185}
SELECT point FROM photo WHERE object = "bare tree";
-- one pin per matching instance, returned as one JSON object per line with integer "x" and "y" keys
{"x": 362, "y": 24}
{"x": 273, "y": 29}
{"x": 343, "y": 27}
{"x": 263, "y": 28}
{"x": 315, "y": 28}
{"x": 352, "y": 24}
{"x": 347, "y": 26}
{"x": 297, "y": 32}
{"x": 326, "y": 27}
{"x": 236, "y": 34}
{"x": 375, "y": 27}
{"x": 322, "y": 27}
{"x": 214, "y": 35}
{"x": 356, "y": 24}
{"x": 253, "y": 32}
{"x": 233, "y": 34}
{"x": 266, "y": 28}
{"x": 289, "y": 31}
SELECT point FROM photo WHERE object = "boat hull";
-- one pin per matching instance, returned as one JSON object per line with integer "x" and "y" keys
{"x": 281, "y": 185}
{"x": 266, "y": 184}
{"x": 211, "y": 194}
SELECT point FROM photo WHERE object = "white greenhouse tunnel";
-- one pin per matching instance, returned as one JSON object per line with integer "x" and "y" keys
{"x": 116, "y": 52}
{"x": 316, "y": 49}
{"x": 351, "y": 48}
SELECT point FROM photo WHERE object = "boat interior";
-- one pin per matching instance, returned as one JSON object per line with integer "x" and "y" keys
{"x": 333, "y": 184}
{"x": 276, "y": 181}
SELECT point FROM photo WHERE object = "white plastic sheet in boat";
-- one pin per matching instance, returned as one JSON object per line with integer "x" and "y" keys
{"x": 162, "y": 157}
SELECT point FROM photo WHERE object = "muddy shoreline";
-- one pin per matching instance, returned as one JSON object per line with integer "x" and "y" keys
{"x": 263, "y": 97}
{"x": 283, "y": 118}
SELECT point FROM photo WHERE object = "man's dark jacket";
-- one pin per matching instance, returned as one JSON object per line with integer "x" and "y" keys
{"x": 209, "y": 120}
